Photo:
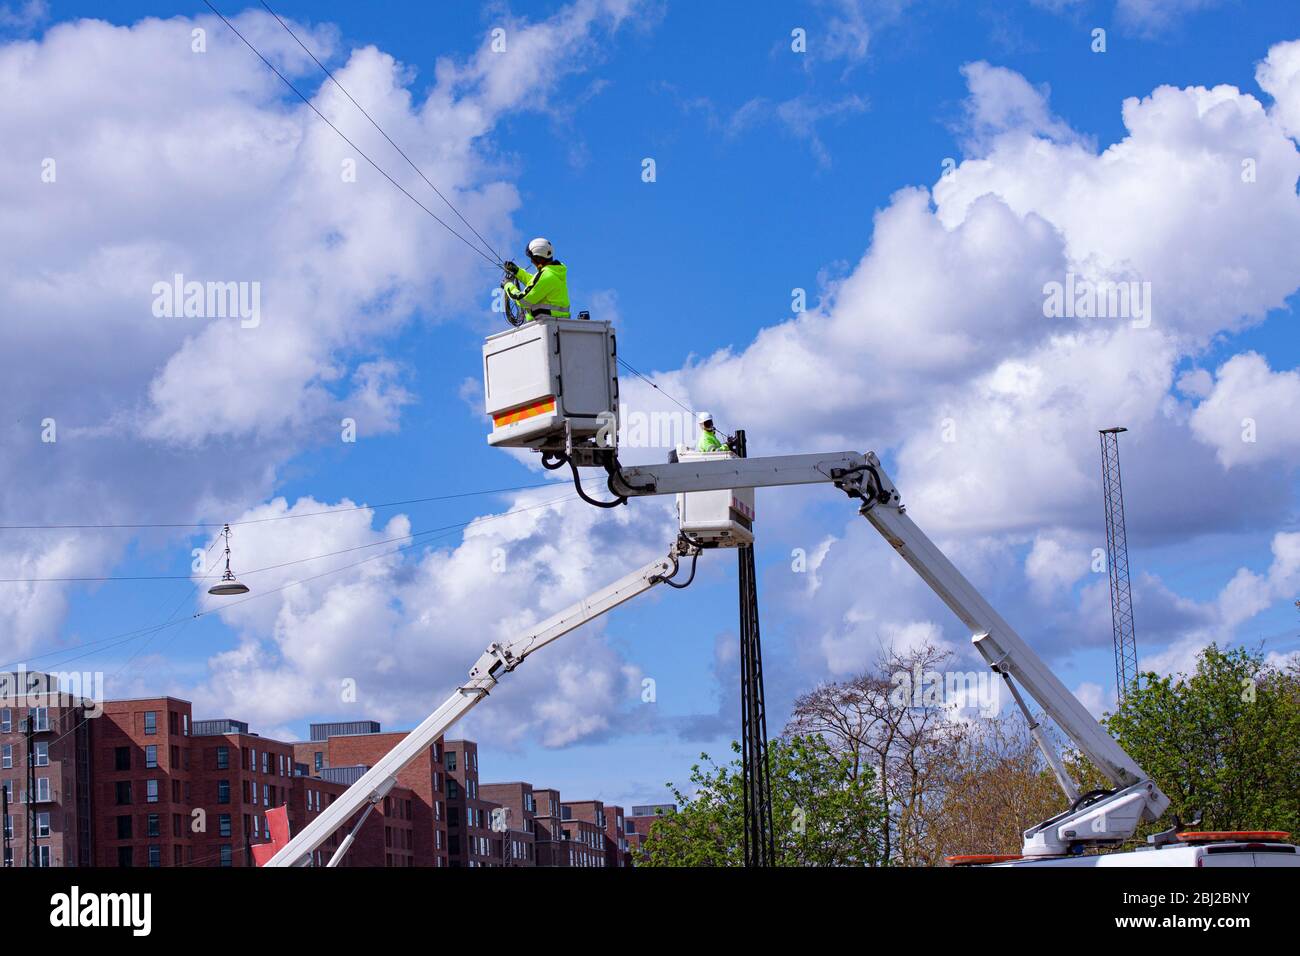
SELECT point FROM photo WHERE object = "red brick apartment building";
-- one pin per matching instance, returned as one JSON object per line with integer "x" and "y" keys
{"x": 141, "y": 783}
{"x": 514, "y": 823}
{"x": 550, "y": 842}
{"x": 52, "y": 788}
{"x": 469, "y": 823}
{"x": 583, "y": 823}
{"x": 637, "y": 826}
{"x": 416, "y": 813}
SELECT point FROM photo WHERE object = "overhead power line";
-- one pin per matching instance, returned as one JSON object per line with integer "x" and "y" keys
{"x": 88, "y": 579}
{"x": 124, "y": 637}
{"x": 408, "y": 159}
{"x": 284, "y": 517}
{"x": 344, "y": 137}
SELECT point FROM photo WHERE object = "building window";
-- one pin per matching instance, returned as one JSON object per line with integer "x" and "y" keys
{"x": 318, "y": 760}
{"x": 155, "y": 856}
{"x": 185, "y": 725}
{"x": 43, "y": 824}
{"x": 153, "y": 826}
{"x": 223, "y": 825}
{"x": 529, "y": 803}
{"x": 223, "y": 791}
{"x": 121, "y": 758}
{"x": 266, "y": 794}
{"x": 151, "y": 791}
{"x": 151, "y": 757}
{"x": 225, "y": 859}
{"x": 452, "y": 792}
{"x": 266, "y": 761}
{"x": 223, "y": 758}
{"x": 451, "y": 760}
{"x": 43, "y": 856}
{"x": 6, "y": 720}
{"x": 566, "y": 813}
{"x": 124, "y": 856}
{"x": 123, "y": 792}
{"x": 7, "y": 756}
{"x": 151, "y": 721}
{"x": 124, "y": 827}
{"x": 42, "y": 789}
{"x": 40, "y": 717}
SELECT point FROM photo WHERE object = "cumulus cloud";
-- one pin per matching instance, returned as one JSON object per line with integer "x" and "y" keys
{"x": 937, "y": 351}
{"x": 1249, "y": 416}
{"x": 403, "y": 627}
{"x": 1279, "y": 76}
{"x": 151, "y": 158}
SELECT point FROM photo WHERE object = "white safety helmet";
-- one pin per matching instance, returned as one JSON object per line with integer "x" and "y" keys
{"x": 702, "y": 417}
{"x": 541, "y": 248}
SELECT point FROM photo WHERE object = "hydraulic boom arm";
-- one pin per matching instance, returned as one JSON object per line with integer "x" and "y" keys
{"x": 1097, "y": 818}
{"x": 497, "y": 660}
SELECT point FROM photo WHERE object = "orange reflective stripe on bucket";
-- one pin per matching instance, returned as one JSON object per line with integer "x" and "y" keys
{"x": 526, "y": 411}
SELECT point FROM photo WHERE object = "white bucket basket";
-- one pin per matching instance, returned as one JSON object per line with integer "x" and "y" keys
{"x": 715, "y": 519}
{"x": 551, "y": 384}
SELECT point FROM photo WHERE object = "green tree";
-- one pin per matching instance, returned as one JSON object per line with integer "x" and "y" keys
{"x": 1224, "y": 740}
{"x": 823, "y": 813}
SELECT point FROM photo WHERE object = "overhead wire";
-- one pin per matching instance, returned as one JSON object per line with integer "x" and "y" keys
{"x": 435, "y": 533}
{"x": 283, "y": 517}
{"x": 410, "y": 162}
{"x": 446, "y": 225}
{"x": 408, "y": 159}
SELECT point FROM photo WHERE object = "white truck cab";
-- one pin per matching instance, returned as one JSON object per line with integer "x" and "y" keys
{"x": 1235, "y": 849}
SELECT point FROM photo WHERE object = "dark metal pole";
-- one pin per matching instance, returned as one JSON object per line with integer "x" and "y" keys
{"x": 29, "y": 730}
{"x": 4, "y": 821}
{"x": 759, "y": 843}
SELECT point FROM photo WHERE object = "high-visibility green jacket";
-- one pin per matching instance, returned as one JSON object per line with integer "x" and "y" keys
{"x": 709, "y": 441}
{"x": 548, "y": 289}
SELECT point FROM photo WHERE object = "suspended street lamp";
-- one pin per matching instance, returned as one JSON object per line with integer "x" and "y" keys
{"x": 227, "y": 585}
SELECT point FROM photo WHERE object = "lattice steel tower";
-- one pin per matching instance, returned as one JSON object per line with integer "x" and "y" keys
{"x": 1121, "y": 593}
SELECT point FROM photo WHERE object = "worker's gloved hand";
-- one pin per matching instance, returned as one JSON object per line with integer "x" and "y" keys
{"x": 510, "y": 267}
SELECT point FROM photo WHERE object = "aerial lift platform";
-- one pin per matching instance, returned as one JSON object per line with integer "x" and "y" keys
{"x": 552, "y": 386}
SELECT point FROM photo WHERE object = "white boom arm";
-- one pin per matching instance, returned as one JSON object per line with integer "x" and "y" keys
{"x": 497, "y": 659}
{"x": 1097, "y": 819}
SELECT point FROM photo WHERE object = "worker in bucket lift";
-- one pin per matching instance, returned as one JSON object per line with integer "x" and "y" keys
{"x": 541, "y": 293}
{"x": 710, "y": 438}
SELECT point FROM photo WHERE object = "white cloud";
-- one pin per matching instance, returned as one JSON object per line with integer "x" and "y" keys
{"x": 1002, "y": 101}
{"x": 798, "y": 116}
{"x": 935, "y": 350}
{"x": 406, "y": 627}
{"x": 1156, "y": 17}
{"x": 203, "y": 164}
{"x": 1279, "y": 76}
{"x": 1249, "y": 417}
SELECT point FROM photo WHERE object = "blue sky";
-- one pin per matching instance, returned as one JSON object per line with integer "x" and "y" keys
{"x": 772, "y": 168}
